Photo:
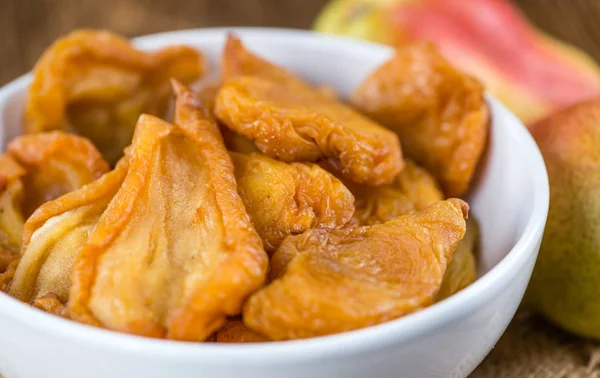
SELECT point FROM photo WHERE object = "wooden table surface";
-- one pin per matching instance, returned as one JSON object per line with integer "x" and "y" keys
{"x": 27, "y": 27}
{"x": 530, "y": 347}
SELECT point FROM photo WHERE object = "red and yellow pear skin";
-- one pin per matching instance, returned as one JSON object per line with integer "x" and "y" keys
{"x": 533, "y": 74}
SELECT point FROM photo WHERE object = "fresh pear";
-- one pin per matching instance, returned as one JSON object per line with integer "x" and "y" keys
{"x": 530, "y": 72}
{"x": 565, "y": 286}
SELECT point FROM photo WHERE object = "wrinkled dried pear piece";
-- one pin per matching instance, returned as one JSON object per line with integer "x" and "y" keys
{"x": 239, "y": 61}
{"x": 237, "y": 142}
{"x": 286, "y": 199}
{"x": 56, "y": 163}
{"x": 11, "y": 216}
{"x": 175, "y": 252}
{"x": 462, "y": 270}
{"x": 54, "y": 234}
{"x": 413, "y": 190}
{"x": 51, "y": 304}
{"x": 96, "y": 84}
{"x": 7, "y": 275}
{"x": 36, "y": 169}
{"x": 330, "y": 281}
{"x": 439, "y": 113}
{"x": 233, "y": 141}
{"x": 235, "y": 331}
{"x": 291, "y": 121}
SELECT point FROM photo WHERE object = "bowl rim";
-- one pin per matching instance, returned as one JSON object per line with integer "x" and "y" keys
{"x": 350, "y": 343}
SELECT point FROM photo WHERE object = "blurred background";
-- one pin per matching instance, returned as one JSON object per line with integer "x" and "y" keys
{"x": 27, "y": 27}
{"x": 531, "y": 347}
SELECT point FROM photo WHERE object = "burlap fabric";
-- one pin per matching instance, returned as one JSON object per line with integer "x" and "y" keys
{"x": 531, "y": 347}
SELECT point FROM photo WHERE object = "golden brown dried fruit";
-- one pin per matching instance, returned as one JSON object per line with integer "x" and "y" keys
{"x": 291, "y": 121}
{"x": 233, "y": 141}
{"x": 330, "y": 281}
{"x": 175, "y": 252}
{"x": 413, "y": 190}
{"x": 54, "y": 234}
{"x": 239, "y": 61}
{"x": 236, "y": 142}
{"x": 299, "y": 126}
{"x": 462, "y": 270}
{"x": 236, "y": 332}
{"x": 11, "y": 215}
{"x": 96, "y": 84}
{"x": 39, "y": 168}
{"x": 51, "y": 304}
{"x": 287, "y": 199}
{"x": 55, "y": 163}
{"x": 7, "y": 275}
{"x": 439, "y": 113}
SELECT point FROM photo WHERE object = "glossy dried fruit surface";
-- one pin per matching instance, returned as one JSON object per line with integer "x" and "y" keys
{"x": 239, "y": 61}
{"x": 7, "y": 275}
{"x": 175, "y": 252}
{"x": 36, "y": 169}
{"x": 11, "y": 216}
{"x": 52, "y": 305}
{"x": 413, "y": 189}
{"x": 233, "y": 141}
{"x": 56, "y": 163}
{"x": 302, "y": 126}
{"x": 439, "y": 113}
{"x": 291, "y": 121}
{"x": 55, "y": 233}
{"x": 237, "y": 142}
{"x": 330, "y": 281}
{"x": 286, "y": 199}
{"x": 462, "y": 270}
{"x": 236, "y": 332}
{"x": 95, "y": 83}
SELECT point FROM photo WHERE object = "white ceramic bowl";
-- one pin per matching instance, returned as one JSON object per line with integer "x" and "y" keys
{"x": 449, "y": 339}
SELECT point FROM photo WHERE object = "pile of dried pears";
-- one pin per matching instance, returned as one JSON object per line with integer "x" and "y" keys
{"x": 265, "y": 208}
